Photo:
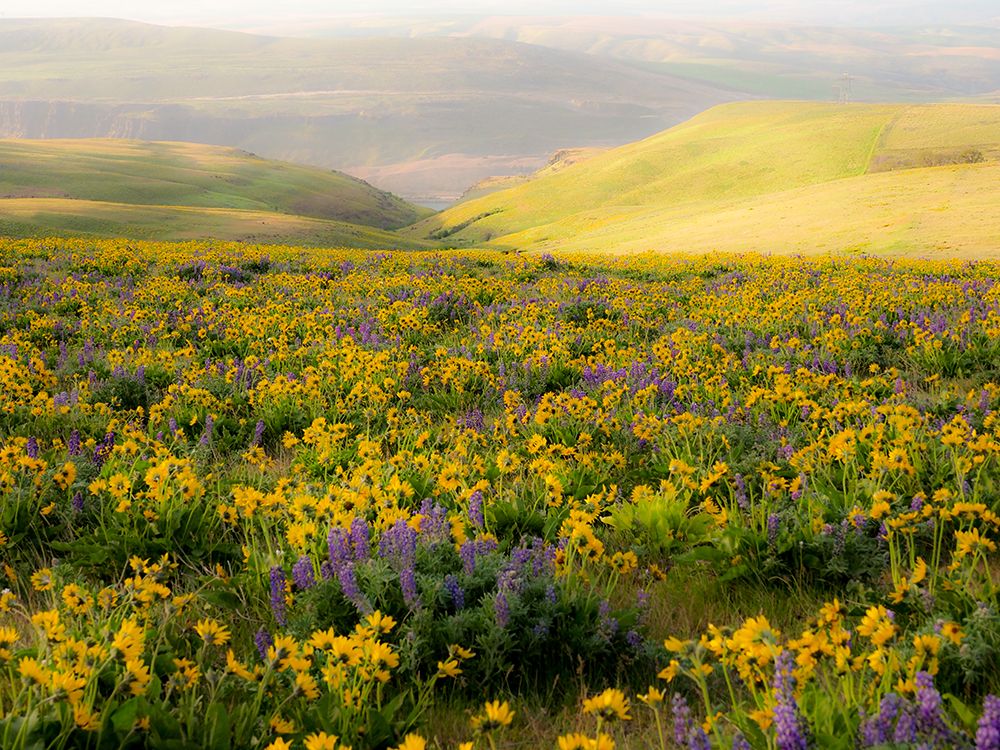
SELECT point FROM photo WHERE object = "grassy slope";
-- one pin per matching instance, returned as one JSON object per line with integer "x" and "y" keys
{"x": 559, "y": 161}
{"x": 28, "y": 217}
{"x": 947, "y": 211}
{"x": 185, "y": 174}
{"x": 769, "y": 176}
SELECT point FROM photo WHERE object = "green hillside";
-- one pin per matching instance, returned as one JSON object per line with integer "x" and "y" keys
{"x": 62, "y": 217}
{"x": 185, "y": 174}
{"x": 768, "y": 176}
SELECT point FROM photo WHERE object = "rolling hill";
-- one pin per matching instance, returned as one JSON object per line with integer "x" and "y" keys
{"x": 424, "y": 118}
{"x": 766, "y": 176}
{"x": 913, "y": 58}
{"x": 61, "y": 217}
{"x": 183, "y": 191}
{"x": 188, "y": 174}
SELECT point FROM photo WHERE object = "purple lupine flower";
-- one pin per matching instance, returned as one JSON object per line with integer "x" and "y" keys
{"x": 878, "y": 729}
{"x": 78, "y": 502}
{"x": 773, "y": 524}
{"x": 485, "y": 546}
{"x": 454, "y": 590}
{"x": 642, "y": 603}
{"x": 501, "y": 609}
{"x": 698, "y": 738}
{"x": 31, "y": 447}
{"x": 930, "y": 717}
{"x": 472, "y": 420}
{"x": 906, "y": 726}
{"x": 507, "y": 580}
{"x": 740, "y": 742}
{"x": 435, "y": 527}
{"x": 172, "y": 426}
{"x": 258, "y": 433}
{"x": 741, "y": 491}
{"x": 858, "y": 520}
{"x": 103, "y": 449}
{"x": 476, "y": 510}
{"x": 73, "y": 446}
{"x": 408, "y": 583}
{"x": 550, "y": 595}
{"x": 349, "y": 587}
{"x": 278, "y": 594}
{"x": 360, "y": 534}
{"x": 988, "y": 730}
{"x": 303, "y": 573}
{"x": 682, "y": 720}
{"x": 338, "y": 547}
{"x": 206, "y": 437}
{"x": 633, "y": 639}
{"x": 468, "y": 554}
{"x": 399, "y": 545}
{"x": 263, "y": 640}
{"x": 789, "y": 731}
{"x": 609, "y": 624}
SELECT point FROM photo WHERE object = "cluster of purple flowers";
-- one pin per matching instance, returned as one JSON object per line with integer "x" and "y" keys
{"x": 103, "y": 449}
{"x": 263, "y": 640}
{"x": 988, "y": 731}
{"x": 688, "y": 733}
{"x": 476, "y": 510}
{"x": 303, "y": 574}
{"x": 278, "y": 595}
{"x": 73, "y": 447}
{"x": 454, "y": 590}
{"x": 258, "y": 434}
{"x": 206, "y": 436}
{"x": 921, "y": 722}
{"x": 501, "y": 609}
{"x": 347, "y": 547}
{"x": 789, "y": 728}
{"x": 473, "y": 549}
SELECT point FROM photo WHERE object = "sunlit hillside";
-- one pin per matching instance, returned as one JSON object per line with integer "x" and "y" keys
{"x": 766, "y": 176}
{"x": 155, "y": 190}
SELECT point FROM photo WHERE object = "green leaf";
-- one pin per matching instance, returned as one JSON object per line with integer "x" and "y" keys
{"x": 217, "y": 725}
{"x": 964, "y": 713}
{"x": 125, "y": 716}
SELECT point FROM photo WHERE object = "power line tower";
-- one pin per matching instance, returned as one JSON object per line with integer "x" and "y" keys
{"x": 844, "y": 88}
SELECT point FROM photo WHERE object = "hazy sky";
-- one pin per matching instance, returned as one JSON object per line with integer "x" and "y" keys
{"x": 241, "y": 13}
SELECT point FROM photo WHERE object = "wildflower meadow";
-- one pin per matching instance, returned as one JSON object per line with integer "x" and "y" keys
{"x": 284, "y": 498}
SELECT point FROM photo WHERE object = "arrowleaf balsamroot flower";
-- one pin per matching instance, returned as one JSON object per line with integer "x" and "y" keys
{"x": 212, "y": 632}
{"x": 412, "y": 742}
{"x": 611, "y": 705}
{"x": 494, "y": 716}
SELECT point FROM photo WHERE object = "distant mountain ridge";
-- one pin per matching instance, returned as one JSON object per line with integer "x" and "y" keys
{"x": 422, "y": 117}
